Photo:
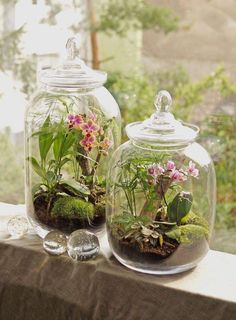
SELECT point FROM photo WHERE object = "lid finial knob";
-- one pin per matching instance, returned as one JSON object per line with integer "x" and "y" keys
{"x": 72, "y": 48}
{"x": 163, "y": 101}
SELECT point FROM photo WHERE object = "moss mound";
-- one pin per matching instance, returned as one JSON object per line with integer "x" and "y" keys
{"x": 71, "y": 207}
{"x": 192, "y": 218}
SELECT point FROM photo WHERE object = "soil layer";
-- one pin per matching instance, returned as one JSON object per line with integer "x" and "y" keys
{"x": 172, "y": 254}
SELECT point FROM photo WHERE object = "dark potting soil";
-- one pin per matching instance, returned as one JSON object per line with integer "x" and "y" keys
{"x": 171, "y": 254}
{"x": 66, "y": 225}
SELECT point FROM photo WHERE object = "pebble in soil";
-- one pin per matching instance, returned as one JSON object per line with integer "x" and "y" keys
{"x": 83, "y": 245}
{"x": 17, "y": 226}
{"x": 55, "y": 243}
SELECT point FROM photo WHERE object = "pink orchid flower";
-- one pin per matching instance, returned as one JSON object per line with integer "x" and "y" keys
{"x": 88, "y": 142}
{"x": 78, "y": 120}
{"x": 155, "y": 169}
{"x": 75, "y": 120}
{"x": 151, "y": 170}
{"x": 70, "y": 117}
{"x": 192, "y": 170}
{"x": 170, "y": 165}
{"x": 178, "y": 176}
{"x": 160, "y": 169}
{"x": 89, "y": 127}
{"x": 70, "y": 120}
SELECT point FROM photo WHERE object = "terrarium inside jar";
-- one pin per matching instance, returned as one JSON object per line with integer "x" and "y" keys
{"x": 72, "y": 127}
{"x": 161, "y": 195}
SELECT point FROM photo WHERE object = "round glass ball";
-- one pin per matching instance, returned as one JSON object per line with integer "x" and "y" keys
{"x": 17, "y": 226}
{"x": 83, "y": 245}
{"x": 55, "y": 243}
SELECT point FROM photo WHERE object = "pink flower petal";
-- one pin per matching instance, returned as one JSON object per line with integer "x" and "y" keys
{"x": 178, "y": 176}
{"x": 170, "y": 165}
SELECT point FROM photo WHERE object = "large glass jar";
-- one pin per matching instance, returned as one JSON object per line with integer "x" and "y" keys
{"x": 72, "y": 126}
{"x": 161, "y": 195}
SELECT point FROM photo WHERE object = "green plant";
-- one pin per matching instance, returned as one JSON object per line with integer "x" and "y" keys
{"x": 72, "y": 139}
{"x": 163, "y": 216}
{"x": 59, "y": 139}
{"x": 66, "y": 163}
{"x": 121, "y": 16}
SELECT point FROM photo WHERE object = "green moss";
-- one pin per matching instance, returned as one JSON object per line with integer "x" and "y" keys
{"x": 71, "y": 207}
{"x": 192, "y": 227}
{"x": 189, "y": 232}
{"x": 192, "y": 218}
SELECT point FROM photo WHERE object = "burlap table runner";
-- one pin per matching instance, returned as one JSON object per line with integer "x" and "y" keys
{"x": 36, "y": 286}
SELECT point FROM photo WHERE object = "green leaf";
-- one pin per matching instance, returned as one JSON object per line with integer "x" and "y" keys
{"x": 62, "y": 143}
{"x": 45, "y": 139}
{"x": 78, "y": 187}
{"x": 69, "y": 191}
{"x": 180, "y": 206}
{"x": 37, "y": 167}
{"x": 51, "y": 163}
{"x": 68, "y": 142}
{"x": 64, "y": 161}
{"x": 161, "y": 240}
{"x": 57, "y": 144}
{"x": 51, "y": 177}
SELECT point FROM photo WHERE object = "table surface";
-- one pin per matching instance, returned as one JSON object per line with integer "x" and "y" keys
{"x": 35, "y": 285}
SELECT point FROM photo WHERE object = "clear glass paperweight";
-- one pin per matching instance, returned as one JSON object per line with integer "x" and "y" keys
{"x": 72, "y": 127}
{"x": 161, "y": 195}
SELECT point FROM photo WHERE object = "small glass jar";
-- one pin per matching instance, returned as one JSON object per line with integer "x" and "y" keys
{"x": 161, "y": 195}
{"x": 71, "y": 129}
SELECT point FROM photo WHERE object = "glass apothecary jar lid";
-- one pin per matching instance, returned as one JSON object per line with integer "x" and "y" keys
{"x": 162, "y": 128}
{"x": 73, "y": 72}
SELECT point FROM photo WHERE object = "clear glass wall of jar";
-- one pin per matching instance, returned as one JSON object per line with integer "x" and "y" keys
{"x": 72, "y": 127}
{"x": 161, "y": 195}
